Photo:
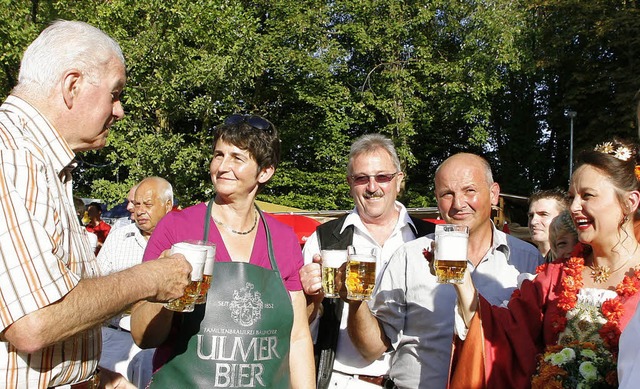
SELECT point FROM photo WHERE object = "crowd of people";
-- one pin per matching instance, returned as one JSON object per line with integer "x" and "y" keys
{"x": 558, "y": 311}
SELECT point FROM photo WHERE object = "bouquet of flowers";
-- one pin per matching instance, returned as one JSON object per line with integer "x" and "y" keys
{"x": 576, "y": 365}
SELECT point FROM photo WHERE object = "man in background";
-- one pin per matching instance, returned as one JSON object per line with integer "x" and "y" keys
{"x": 96, "y": 225}
{"x": 124, "y": 248}
{"x": 544, "y": 206}
{"x": 126, "y": 220}
{"x": 52, "y": 297}
{"x": 378, "y": 220}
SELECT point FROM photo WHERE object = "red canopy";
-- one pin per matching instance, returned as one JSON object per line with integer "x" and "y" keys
{"x": 302, "y": 225}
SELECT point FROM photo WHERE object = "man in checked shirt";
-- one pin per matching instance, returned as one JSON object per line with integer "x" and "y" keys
{"x": 124, "y": 247}
{"x": 52, "y": 297}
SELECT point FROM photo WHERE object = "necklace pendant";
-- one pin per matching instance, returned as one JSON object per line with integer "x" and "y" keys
{"x": 600, "y": 274}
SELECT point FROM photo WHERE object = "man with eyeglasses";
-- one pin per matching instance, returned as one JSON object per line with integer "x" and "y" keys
{"x": 378, "y": 220}
{"x": 411, "y": 313}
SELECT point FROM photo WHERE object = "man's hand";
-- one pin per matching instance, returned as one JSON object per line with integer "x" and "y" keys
{"x": 112, "y": 380}
{"x": 170, "y": 274}
{"x": 311, "y": 277}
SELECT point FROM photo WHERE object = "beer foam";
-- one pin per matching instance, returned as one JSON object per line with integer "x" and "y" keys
{"x": 362, "y": 258}
{"x": 452, "y": 246}
{"x": 195, "y": 254}
{"x": 333, "y": 258}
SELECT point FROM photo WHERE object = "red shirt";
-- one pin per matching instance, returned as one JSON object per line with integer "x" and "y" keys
{"x": 101, "y": 230}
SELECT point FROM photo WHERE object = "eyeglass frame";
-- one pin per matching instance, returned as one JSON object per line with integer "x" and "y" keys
{"x": 390, "y": 176}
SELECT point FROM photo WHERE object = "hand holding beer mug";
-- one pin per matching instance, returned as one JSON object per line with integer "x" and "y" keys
{"x": 451, "y": 253}
{"x": 361, "y": 272}
{"x": 331, "y": 262}
{"x": 196, "y": 255}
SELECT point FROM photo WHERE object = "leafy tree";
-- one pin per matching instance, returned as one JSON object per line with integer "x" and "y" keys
{"x": 492, "y": 77}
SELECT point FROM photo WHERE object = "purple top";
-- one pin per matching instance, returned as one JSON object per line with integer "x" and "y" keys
{"x": 188, "y": 224}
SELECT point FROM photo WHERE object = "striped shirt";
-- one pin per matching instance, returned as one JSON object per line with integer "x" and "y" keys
{"x": 43, "y": 249}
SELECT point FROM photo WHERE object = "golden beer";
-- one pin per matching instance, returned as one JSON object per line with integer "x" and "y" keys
{"x": 451, "y": 253}
{"x": 361, "y": 277}
{"x": 331, "y": 262}
{"x": 203, "y": 288}
{"x": 450, "y": 271}
{"x": 329, "y": 282}
{"x": 188, "y": 299}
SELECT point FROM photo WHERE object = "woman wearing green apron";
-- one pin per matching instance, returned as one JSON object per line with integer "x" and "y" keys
{"x": 252, "y": 332}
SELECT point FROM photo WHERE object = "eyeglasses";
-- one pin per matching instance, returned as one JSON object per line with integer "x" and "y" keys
{"x": 252, "y": 120}
{"x": 381, "y": 178}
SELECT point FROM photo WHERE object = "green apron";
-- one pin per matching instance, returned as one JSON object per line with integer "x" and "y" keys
{"x": 240, "y": 337}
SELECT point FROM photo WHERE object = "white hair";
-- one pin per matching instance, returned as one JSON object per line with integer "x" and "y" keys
{"x": 62, "y": 46}
{"x": 163, "y": 187}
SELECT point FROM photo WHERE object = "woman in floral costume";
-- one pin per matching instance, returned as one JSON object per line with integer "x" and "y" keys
{"x": 562, "y": 328}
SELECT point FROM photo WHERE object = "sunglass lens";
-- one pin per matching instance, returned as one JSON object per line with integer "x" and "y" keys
{"x": 234, "y": 119}
{"x": 258, "y": 122}
{"x": 360, "y": 180}
{"x": 384, "y": 178}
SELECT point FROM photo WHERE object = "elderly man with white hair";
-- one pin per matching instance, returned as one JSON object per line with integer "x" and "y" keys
{"x": 52, "y": 295}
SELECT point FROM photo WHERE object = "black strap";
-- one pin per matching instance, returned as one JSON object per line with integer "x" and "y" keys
{"x": 325, "y": 347}
{"x": 330, "y": 237}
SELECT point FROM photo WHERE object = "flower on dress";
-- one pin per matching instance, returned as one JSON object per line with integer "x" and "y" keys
{"x": 542, "y": 268}
{"x": 612, "y": 310}
{"x": 628, "y": 287}
{"x": 575, "y": 365}
{"x": 610, "y": 334}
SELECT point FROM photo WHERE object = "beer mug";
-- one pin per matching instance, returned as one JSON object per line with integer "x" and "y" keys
{"x": 196, "y": 254}
{"x": 451, "y": 253}
{"x": 361, "y": 272}
{"x": 207, "y": 274}
{"x": 331, "y": 262}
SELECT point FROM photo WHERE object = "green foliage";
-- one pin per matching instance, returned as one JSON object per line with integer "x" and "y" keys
{"x": 491, "y": 77}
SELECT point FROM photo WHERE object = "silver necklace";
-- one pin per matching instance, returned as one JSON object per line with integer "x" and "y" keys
{"x": 255, "y": 223}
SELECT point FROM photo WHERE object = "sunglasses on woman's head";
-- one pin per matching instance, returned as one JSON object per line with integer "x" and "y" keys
{"x": 252, "y": 120}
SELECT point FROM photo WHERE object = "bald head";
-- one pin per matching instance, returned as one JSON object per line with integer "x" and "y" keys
{"x": 470, "y": 160}
{"x": 164, "y": 188}
{"x": 465, "y": 191}
{"x": 153, "y": 200}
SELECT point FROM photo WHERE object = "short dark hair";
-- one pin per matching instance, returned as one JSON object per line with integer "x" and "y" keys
{"x": 556, "y": 194}
{"x": 262, "y": 144}
{"x": 96, "y": 205}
